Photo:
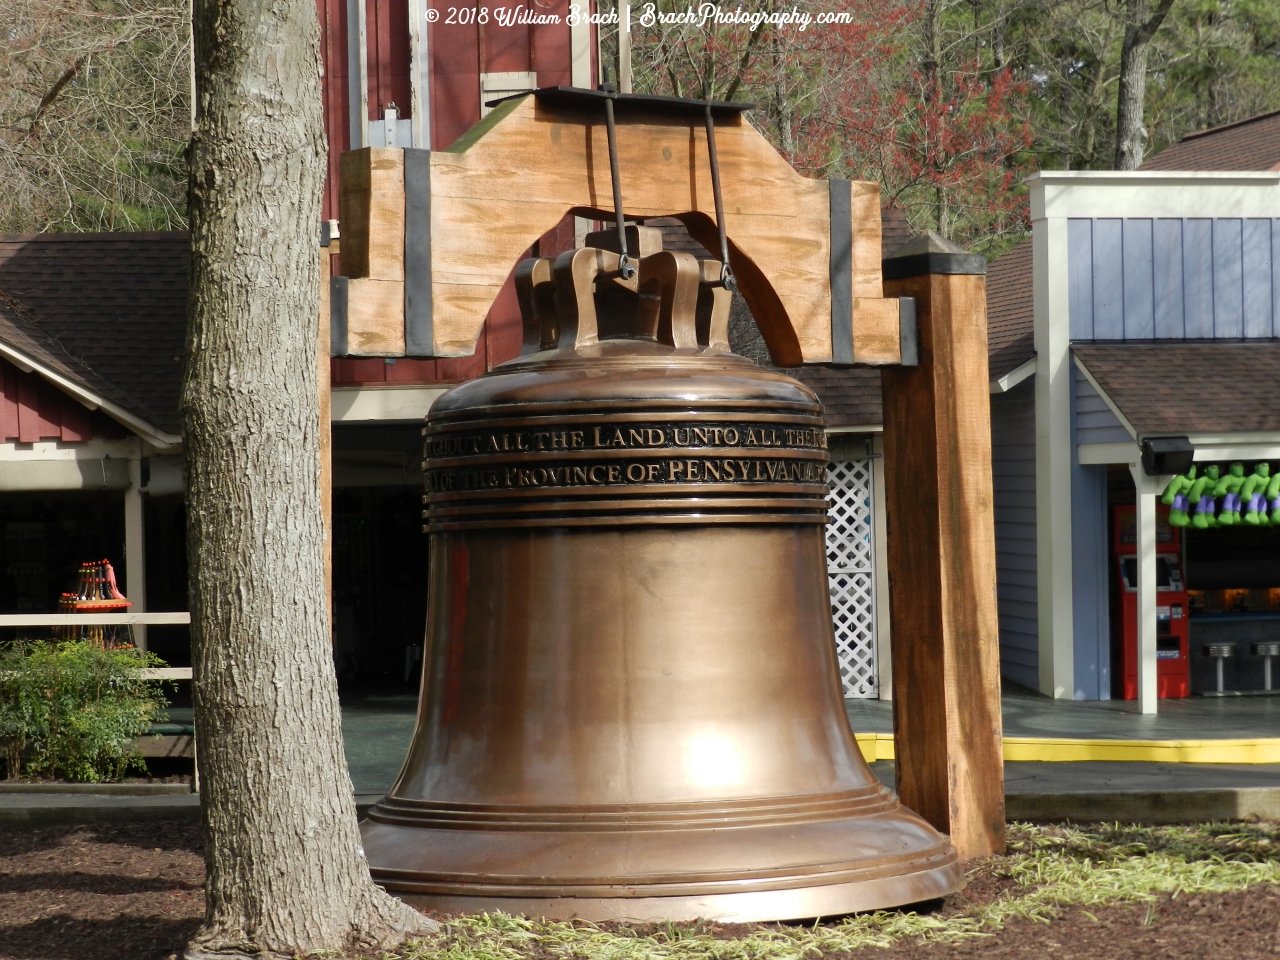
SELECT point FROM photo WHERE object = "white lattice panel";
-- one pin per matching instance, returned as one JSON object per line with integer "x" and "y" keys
{"x": 851, "y": 574}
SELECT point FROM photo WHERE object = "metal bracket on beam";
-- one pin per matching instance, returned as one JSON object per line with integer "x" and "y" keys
{"x": 908, "y": 333}
{"x": 841, "y": 192}
{"x": 418, "y": 323}
{"x": 338, "y": 317}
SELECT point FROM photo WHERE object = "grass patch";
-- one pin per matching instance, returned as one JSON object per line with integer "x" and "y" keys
{"x": 1047, "y": 868}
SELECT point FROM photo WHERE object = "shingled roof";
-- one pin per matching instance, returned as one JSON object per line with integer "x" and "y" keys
{"x": 1010, "y": 314}
{"x": 107, "y": 311}
{"x": 1252, "y": 144}
{"x": 1173, "y": 387}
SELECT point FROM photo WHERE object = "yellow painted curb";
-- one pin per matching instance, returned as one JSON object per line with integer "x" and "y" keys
{"x": 879, "y": 746}
{"x": 876, "y": 746}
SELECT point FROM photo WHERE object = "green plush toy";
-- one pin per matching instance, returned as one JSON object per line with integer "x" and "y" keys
{"x": 1229, "y": 489}
{"x": 1253, "y": 495}
{"x": 1202, "y": 496}
{"x": 1273, "y": 499}
{"x": 1175, "y": 497}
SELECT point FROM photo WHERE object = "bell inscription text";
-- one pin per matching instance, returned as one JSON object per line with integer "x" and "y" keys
{"x": 689, "y": 468}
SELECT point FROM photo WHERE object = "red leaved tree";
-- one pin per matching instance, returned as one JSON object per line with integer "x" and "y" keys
{"x": 886, "y": 96}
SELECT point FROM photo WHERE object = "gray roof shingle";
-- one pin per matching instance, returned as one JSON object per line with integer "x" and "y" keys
{"x": 1173, "y": 387}
{"x": 108, "y": 310}
{"x": 1010, "y": 316}
{"x": 1252, "y": 144}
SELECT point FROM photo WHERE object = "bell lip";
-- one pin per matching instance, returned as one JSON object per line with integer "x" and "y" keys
{"x": 853, "y": 848}
{"x": 805, "y": 902}
{"x": 758, "y": 907}
{"x": 786, "y": 876}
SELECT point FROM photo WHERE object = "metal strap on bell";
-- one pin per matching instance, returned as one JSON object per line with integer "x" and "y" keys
{"x": 631, "y": 706}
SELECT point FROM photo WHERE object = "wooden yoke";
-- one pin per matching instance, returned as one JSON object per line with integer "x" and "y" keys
{"x": 429, "y": 238}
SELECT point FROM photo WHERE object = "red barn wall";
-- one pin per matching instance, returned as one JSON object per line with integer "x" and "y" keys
{"x": 32, "y": 409}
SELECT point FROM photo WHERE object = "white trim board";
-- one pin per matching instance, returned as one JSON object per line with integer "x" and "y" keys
{"x": 382, "y": 404}
{"x": 1094, "y": 454}
{"x": 1211, "y": 453}
{"x": 1014, "y": 377}
{"x": 95, "y": 449}
{"x": 1111, "y": 194}
{"x": 1206, "y": 451}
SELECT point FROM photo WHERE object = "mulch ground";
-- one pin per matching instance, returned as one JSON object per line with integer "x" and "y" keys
{"x": 100, "y": 892}
{"x": 133, "y": 891}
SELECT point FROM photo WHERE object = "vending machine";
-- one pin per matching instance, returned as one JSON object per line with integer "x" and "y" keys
{"x": 1173, "y": 666}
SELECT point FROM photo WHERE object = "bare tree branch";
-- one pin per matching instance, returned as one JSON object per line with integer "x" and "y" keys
{"x": 56, "y": 89}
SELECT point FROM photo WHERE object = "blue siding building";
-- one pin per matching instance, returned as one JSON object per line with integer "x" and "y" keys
{"x": 1145, "y": 305}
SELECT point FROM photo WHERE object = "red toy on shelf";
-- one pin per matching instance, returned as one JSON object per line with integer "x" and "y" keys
{"x": 1173, "y": 664}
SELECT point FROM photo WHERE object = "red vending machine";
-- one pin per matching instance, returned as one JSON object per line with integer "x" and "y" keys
{"x": 1173, "y": 668}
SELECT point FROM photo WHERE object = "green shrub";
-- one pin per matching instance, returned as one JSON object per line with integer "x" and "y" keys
{"x": 73, "y": 711}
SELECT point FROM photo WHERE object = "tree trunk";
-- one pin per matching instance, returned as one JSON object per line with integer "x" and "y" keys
{"x": 782, "y": 113}
{"x": 1131, "y": 133}
{"x": 286, "y": 874}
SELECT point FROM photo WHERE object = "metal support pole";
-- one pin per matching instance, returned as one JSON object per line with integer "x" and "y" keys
{"x": 726, "y": 274}
{"x": 625, "y": 267}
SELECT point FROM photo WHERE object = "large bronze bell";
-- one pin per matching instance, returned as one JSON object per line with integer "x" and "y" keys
{"x": 631, "y": 707}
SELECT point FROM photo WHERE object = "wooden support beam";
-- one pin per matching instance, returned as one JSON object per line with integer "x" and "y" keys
{"x": 941, "y": 547}
{"x": 429, "y": 238}
{"x": 135, "y": 549}
{"x": 323, "y": 387}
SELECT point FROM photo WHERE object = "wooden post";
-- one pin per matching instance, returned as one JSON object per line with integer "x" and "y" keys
{"x": 1148, "y": 489}
{"x": 941, "y": 551}
{"x": 135, "y": 548}
{"x": 326, "y": 425}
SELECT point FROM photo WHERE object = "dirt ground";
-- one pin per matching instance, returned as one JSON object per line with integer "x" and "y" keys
{"x": 134, "y": 891}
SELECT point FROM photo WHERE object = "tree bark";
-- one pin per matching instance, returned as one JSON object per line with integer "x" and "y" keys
{"x": 286, "y": 874}
{"x": 1131, "y": 132}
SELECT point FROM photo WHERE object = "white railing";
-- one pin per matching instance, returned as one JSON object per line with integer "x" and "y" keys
{"x": 165, "y": 673}
{"x": 93, "y": 619}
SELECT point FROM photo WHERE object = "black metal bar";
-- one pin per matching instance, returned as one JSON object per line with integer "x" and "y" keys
{"x": 726, "y": 274}
{"x": 668, "y": 106}
{"x": 841, "y": 275}
{"x": 338, "y": 317}
{"x": 419, "y": 337}
{"x": 625, "y": 267}
{"x": 908, "y": 333}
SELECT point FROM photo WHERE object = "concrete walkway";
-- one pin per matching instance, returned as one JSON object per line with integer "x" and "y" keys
{"x": 1026, "y": 715}
{"x": 377, "y": 732}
